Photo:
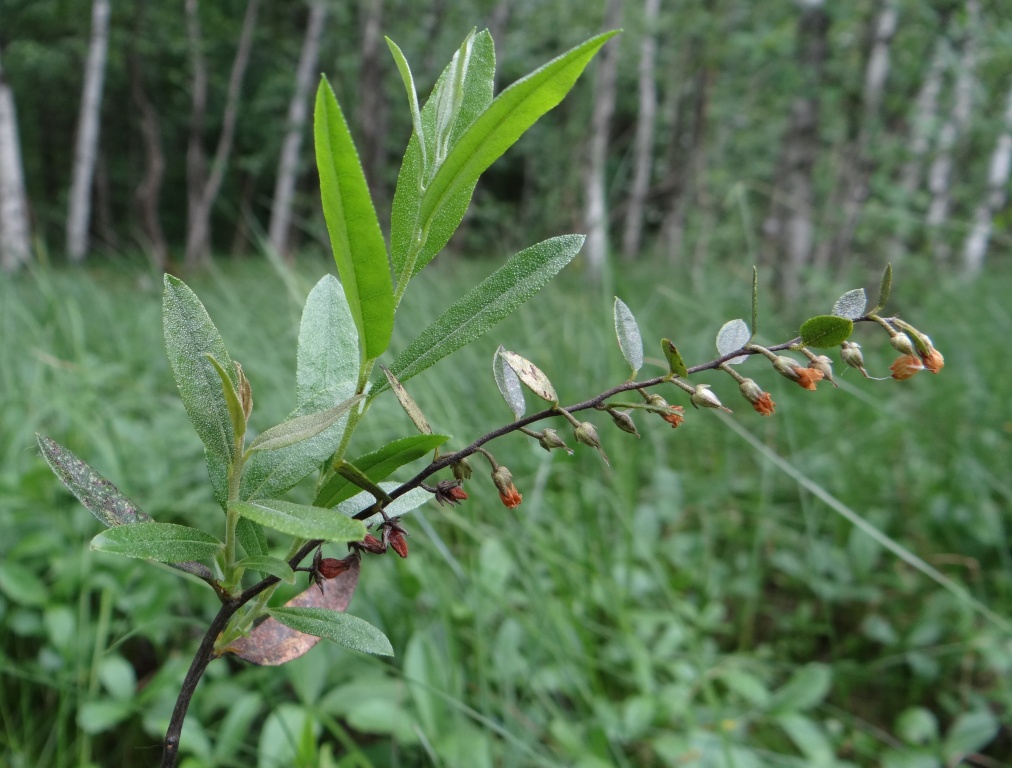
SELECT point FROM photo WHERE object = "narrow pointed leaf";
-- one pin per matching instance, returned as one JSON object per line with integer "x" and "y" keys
{"x": 675, "y": 363}
{"x": 360, "y": 479}
{"x": 100, "y": 497}
{"x": 272, "y": 643}
{"x": 508, "y": 383}
{"x": 629, "y": 339}
{"x": 884, "y": 288}
{"x": 326, "y": 373}
{"x": 274, "y": 566}
{"x": 407, "y": 403}
{"x": 301, "y": 427}
{"x": 755, "y": 302}
{"x": 163, "y": 542}
{"x": 228, "y": 391}
{"x": 190, "y": 337}
{"x": 825, "y": 331}
{"x": 445, "y": 198}
{"x": 400, "y": 506}
{"x": 378, "y": 465}
{"x": 349, "y": 631}
{"x": 493, "y": 299}
{"x": 467, "y": 81}
{"x": 409, "y": 87}
{"x": 355, "y": 235}
{"x": 301, "y": 520}
{"x": 851, "y": 305}
{"x": 531, "y": 375}
{"x": 732, "y": 336}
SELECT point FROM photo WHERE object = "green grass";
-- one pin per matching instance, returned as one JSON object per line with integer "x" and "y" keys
{"x": 692, "y": 604}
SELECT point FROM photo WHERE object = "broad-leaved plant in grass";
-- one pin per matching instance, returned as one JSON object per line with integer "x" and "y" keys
{"x": 361, "y": 500}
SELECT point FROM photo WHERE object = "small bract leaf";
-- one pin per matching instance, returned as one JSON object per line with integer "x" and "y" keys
{"x": 825, "y": 331}
{"x": 675, "y": 363}
{"x": 235, "y": 410}
{"x": 274, "y": 566}
{"x": 301, "y": 520}
{"x": 271, "y": 643}
{"x": 408, "y": 403}
{"x": 163, "y": 542}
{"x": 508, "y": 383}
{"x": 530, "y": 375}
{"x": 732, "y": 336}
{"x": 851, "y": 305}
{"x": 629, "y": 339}
{"x": 349, "y": 631}
{"x": 301, "y": 427}
{"x": 884, "y": 288}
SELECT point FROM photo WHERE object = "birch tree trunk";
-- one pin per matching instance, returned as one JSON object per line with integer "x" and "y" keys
{"x": 643, "y": 149}
{"x": 86, "y": 146}
{"x": 372, "y": 112}
{"x": 975, "y": 247}
{"x": 940, "y": 176}
{"x": 14, "y": 229}
{"x": 203, "y": 187}
{"x": 596, "y": 206}
{"x": 790, "y": 229}
{"x": 857, "y": 168}
{"x": 298, "y": 108}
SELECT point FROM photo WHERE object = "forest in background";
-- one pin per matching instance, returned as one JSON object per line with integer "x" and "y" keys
{"x": 810, "y": 135}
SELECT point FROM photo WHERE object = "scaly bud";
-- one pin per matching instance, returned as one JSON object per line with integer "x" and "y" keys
{"x": 550, "y": 440}
{"x": 702, "y": 397}
{"x": 624, "y": 421}
{"x": 850, "y": 353}
{"x": 461, "y": 470}
{"x": 586, "y": 433}
{"x": 902, "y": 344}
{"x": 824, "y": 366}
{"x": 791, "y": 369}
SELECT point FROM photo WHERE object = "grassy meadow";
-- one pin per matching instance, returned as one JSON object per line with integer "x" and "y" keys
{"x": 704, "y": 601}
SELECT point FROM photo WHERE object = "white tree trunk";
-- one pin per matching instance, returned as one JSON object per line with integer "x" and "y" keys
{"x": 14, "y": 229}
{"x": 298, "y": 108}
{"x": 940, "y": 175}
{"x": 203, "y": 188}
{"x": 86, "y": 146}
{"x": 975, "y": 247}
{"x": 643, "y": 151}
{"x": 596, "y": 211}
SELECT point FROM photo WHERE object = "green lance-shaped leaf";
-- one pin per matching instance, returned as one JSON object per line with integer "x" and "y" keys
{"x": 349, "y": 631}
{"x": 823, "y": 331}
{"x": 508, "y": 383}
{"x": 301, "y": 427}
{"x": 190, "y": 338}
{"x": 486, "y": 304}
{"x": 755, "y": 302}
{"x": 732, "y": 336}
{"x": 357, "y": 477}
{"x": 163, "y": 542}
{"x": 235, "y": 411}
{"x": 884, "y": 288}
{"x": 408, "y": 403}
{"x": 355, "y": 235}
{"x": 326, "y": 373}
{"x": 444, "y": 201}
{"x": 409, "y": 86}
{"x": 462, "y": 92}
{"x": 378, "y": 465}
{"x": 531, "y": 375}
{"x": 851, "y": 305}
{"x": 629, "y": 339}
{"x": 100, "y": 497}
{"x": 675, "y": 363}
{"x": 274, "y": 566}
{"x": 301, "y": 520}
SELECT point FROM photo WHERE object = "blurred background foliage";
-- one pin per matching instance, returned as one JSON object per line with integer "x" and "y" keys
{"x": 691, "y": 605}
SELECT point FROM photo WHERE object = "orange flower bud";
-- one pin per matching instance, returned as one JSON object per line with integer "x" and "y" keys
{"x": 674, "y": 416}
{"x": 905, "y": 367}
{"x": 790, "y": 368}
{"x": 933, "y": 360}
{"x": 761, "y": 401}
{"x": 503, "y": 480}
